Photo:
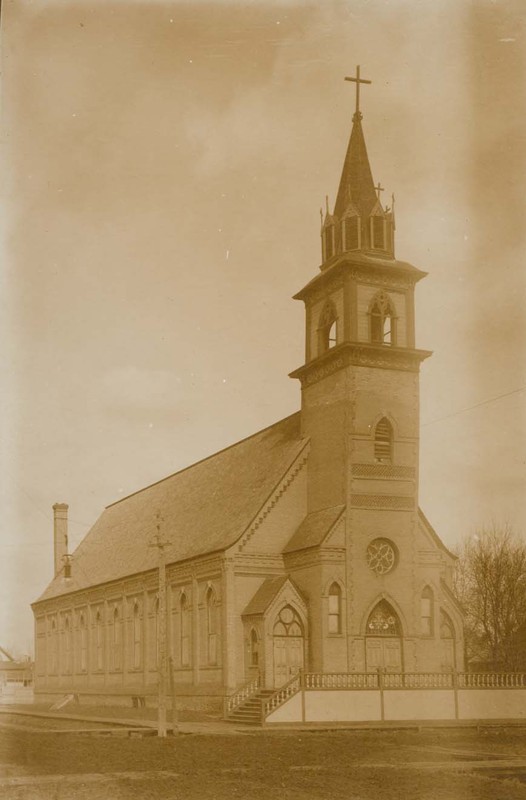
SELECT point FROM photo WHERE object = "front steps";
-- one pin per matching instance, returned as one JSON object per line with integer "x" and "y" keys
{"x": 249, "y": 712}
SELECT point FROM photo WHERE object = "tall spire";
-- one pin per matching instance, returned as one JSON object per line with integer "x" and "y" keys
{"x": 356, "y": 179}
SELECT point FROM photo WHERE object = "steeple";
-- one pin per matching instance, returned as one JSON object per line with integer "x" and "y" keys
{"x": 359, "y": 221}
{"x": 356, "y": 181}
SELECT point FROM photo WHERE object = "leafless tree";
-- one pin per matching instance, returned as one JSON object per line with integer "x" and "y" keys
{"x": 491, "y": 586}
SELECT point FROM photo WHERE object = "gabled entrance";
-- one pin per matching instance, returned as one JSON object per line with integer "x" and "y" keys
{"x": 278, "y": 615}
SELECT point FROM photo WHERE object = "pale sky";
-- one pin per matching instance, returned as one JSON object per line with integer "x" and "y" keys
{"x": 164, "y": 166}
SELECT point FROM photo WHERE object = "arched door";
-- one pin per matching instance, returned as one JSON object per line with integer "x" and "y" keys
{"x": 383, "y": 641}
{"x": 289, "y": 646}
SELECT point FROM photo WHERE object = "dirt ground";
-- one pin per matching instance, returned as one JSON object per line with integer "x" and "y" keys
{"x": 300, "y": 765}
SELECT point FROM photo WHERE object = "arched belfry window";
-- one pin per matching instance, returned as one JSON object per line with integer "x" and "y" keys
{"x": 426, "y": 612}
{"x": 335, "y": 608}
{"x": 328, "y": 328}
{"x": 378, "y": 232}
{"x": 383, "y": 320}
{"x": 383, "y": 442}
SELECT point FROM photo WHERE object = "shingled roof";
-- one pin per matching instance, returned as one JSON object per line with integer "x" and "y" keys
{"x": 205, "y": 508}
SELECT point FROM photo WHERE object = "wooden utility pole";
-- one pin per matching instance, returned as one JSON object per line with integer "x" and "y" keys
{"x": 160, "y": 544}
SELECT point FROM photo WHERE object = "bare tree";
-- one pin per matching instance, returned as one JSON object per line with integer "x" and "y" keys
{"x": 491, "y": 586}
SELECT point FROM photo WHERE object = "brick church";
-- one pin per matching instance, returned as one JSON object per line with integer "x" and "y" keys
{"x": 300, "y": 547}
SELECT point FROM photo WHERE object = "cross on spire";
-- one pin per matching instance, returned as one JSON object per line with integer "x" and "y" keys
{"x": 357, "y": 80}
{"x": 378, "y": 188}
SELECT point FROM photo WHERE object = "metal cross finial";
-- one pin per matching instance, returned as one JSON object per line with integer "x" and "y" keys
{"x": 378, "y": 189}
{"x": 357, "y": 80}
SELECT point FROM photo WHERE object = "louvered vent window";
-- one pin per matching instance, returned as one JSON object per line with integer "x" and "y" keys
{"x": 351, "y": 233}
{"x": 378, "y": 233}
{"x": 383, "y": 442}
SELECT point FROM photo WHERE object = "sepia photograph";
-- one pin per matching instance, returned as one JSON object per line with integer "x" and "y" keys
{"x": 263, "y": 400}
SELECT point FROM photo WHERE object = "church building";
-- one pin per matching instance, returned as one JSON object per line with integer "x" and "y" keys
{"x": 302, "y": 547}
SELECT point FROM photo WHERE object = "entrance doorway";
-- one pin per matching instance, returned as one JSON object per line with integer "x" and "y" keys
{"x": 383, "y": 643}
{"x": 289, "y": 646}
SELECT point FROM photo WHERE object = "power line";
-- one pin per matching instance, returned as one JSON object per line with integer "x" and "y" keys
{"x": 476, "y": 405}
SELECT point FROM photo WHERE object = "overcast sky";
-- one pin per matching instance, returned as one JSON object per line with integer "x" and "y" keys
{"x": 165, "y": 164}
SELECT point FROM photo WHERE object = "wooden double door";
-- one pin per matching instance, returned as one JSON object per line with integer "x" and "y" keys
{"x": 384, "y": 652}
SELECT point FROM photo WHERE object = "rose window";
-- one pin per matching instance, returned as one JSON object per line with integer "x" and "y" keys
{"x": 381, "y": 556}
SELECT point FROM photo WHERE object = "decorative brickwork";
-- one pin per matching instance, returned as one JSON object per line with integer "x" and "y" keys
{"x": 383, "y": 501}
{"x": 383, "y": 471}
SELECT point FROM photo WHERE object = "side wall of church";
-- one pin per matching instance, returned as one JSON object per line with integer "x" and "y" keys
{"x": 102, "y": 644}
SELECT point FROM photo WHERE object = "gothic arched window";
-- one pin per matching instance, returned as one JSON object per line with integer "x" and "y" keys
{"x": 184, "y": 631}
{"x": 328, "y": 328}
{"x": 137, "y": 636}
{"x": 67, "y": 645}
{"x": 383, "y": 441}
{"x": 116, "y": 640}
{"x": 99, "y": 663}
{"x": 383, "y": 621}
{"x": 83, "y": 635}
{"x": 53, "y": 648}
{"x": 211, "y": 625}
{"x": 383, "y": 320}
{"x": 335, "y": 608}
{"x": 426, "y": 612}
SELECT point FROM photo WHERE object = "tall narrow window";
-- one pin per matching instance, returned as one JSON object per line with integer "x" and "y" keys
{"x": 254, "y": 648}
{"x": 67, "y": 645}
{"x": 335, "y": 609}
{"x": 211, "y": 626}
{"x": 383, "y": 442}
{"x": 351, "y": 232}
{"x": 329, "y": 241}
{"x": 137, "y": 637}
{"x": 328, "y": 328}
{"x": 99, "y": 662}
{"x": 184, "y": 631}
{"x": 53, "y": 648}
{"x": 83, "y": 634}
{"x": 426, "y": 612}
{"x": 378, "y": 233}
{"x": 116, "y": 641}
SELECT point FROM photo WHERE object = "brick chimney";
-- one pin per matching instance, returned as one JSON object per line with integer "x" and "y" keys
{"x": 60, "y": 535}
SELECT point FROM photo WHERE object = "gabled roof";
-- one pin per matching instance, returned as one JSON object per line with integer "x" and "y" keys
{"x": 314, "y": 529}
{"x": 265, "y": 595}
{"x": 205, "y": 508}
{"x": 356, "y": 177}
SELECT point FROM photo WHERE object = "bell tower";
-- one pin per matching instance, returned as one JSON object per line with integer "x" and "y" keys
{"x": 360, "y": 386}
{"x": 360, "y": 375}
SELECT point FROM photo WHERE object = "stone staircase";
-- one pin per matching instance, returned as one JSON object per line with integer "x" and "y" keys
{"x": 249, "y": 712}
